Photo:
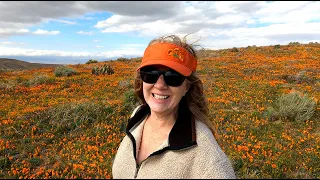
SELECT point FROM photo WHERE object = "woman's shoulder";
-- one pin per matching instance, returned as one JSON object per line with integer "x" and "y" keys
{"x": 218, "y": 164}
{"x": 206, "y": 141}
{"x": 204, "y": 132}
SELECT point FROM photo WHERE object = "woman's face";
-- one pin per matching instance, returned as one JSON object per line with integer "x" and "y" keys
{"x": 161, "y": 98}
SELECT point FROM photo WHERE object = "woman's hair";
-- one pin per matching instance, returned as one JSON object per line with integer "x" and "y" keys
{"x": 194, "y": 98}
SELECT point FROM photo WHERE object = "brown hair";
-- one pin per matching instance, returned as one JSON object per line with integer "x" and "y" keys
{"x": 194, "y": 98}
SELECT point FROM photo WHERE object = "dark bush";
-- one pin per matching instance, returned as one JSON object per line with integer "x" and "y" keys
{"x": 91, "y": 61}
{"x": 64, "y": 71}
{"x": 105, "y": 69}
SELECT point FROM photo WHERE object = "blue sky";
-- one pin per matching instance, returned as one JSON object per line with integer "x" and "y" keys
{"x": 71, "y": 32}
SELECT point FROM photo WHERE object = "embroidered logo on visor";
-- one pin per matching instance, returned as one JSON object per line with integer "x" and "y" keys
{"x": 176, "y": 53}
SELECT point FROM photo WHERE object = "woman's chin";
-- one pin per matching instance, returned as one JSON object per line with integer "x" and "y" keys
{"x": 159, "y": 108}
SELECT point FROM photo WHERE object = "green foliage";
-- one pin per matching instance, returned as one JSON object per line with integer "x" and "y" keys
{"x": 35, "y": 80}
{"x": 294, "y": 43}
{"x": 293, "y": 106}
{"x": 122, "y": 59}
{"x": 105, "y": 69}
{"x": 234, "y": 49}
{"x": 130, "y": 100}
{"x": 64, "y": 71}
{"x": 277, "y": 46}
{"x": 67, "y": 117}
{"x": 298, "y": 78}
{"x": 38, "y": 79}
{"x": 7, "y": 84}
{"x": 4, "y": 70}
{"x": 35, "y": 161}
{"x": 138, "y": 59}
{"x": 4, "y": 162}
{"x": 91, "y": 61}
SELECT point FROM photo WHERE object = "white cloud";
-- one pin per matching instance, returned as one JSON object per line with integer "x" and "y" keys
{"x": 65, "y": 21}
{"x": 262, "y": 36}
{"x": 155, "y": 18}
{"x": 23, "y": 31}
{"x": 12, "y": 31}
{"x": 214, "y": 16}
{"x": 85, "y": 33}
{"x": 5, "y": 43}
{"x": 96, "y": 40}
{"x": 99, "y": 46}
{"x": 30, "y": 13}
{"x": 122, "y": 28}
{"x": 11, "y": 43}
{"x": 45, "y": 32}
{"x": 115, "y": 19}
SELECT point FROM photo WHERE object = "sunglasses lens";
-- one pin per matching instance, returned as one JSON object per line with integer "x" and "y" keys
{"x": 172, "y": 78}
{"x": 150, "y": 77}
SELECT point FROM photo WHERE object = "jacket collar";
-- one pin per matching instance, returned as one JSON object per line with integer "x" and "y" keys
{"x": 182, "y": 134}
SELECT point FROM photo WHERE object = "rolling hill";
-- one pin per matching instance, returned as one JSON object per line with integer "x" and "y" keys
{"x": 14, "y": 64}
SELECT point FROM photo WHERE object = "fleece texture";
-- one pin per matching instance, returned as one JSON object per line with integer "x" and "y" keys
{"x": 203, "y": 159}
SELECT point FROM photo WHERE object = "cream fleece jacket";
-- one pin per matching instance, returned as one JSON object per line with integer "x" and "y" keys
{"x": 198, "y": 157}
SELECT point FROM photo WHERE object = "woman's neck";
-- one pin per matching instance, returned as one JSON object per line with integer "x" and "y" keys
{"x": 157, "y": 120}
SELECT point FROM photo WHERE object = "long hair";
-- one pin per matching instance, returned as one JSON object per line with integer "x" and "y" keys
{"x": 194, "y": 98}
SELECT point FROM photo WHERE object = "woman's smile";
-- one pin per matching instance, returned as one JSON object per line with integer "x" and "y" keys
{"x": 160, "y": 97}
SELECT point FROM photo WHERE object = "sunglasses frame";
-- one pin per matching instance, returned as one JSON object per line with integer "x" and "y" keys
{"x": 167, "y": 78}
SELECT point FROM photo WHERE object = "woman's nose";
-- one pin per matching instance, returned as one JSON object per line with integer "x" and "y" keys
{"x": 160, "y": 82}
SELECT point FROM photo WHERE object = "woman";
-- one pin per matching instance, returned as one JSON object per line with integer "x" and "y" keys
{"x": 169, "y": 135}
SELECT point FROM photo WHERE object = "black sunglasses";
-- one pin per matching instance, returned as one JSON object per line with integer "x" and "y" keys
{"x": 151, "y": 75}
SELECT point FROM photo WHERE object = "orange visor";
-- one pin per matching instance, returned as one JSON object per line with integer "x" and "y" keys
{"x": 170, "y": 55}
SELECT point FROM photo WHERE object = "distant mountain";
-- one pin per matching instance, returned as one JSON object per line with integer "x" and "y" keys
{"x": 14, "y": 64}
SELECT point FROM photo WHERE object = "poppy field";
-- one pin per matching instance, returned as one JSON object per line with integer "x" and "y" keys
{"x": 263, "y": 101}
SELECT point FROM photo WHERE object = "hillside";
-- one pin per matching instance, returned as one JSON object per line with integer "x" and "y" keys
{"x": 14, "y": 64}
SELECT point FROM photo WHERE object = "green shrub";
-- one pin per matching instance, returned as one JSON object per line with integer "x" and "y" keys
{"x": 298, "y": 78}
{"x": 39, "y": 79}
{"x": 105, "y": 69}
{"x": 35, "y": 161}
{"x": 91, "y": 61}
{"x": 64, "y": 71}
{"x": 7, "y": 84}
{"x": 67, "y": 117}
{"x": 293, "y": 106}
{"x": 122, "y": 59}
{"x": 277, "y": 46}
{"x": 294, "y": 43}
{"x": 234, "y": 49}
{"x": 20, "y": 79}
{"x": 4, "y": 162}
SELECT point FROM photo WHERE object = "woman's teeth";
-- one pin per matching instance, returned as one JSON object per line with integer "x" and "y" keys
{"x": 157, "y": 96}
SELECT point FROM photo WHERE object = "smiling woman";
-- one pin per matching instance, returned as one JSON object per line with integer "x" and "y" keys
{"x": 169, "y": 134}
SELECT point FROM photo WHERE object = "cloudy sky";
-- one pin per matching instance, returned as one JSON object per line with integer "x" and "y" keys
{"x": 71, "y": 32}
